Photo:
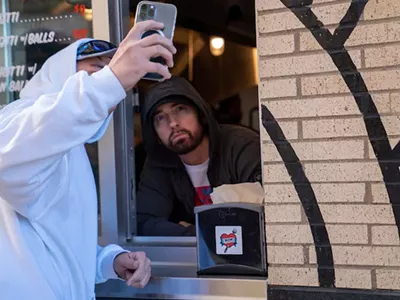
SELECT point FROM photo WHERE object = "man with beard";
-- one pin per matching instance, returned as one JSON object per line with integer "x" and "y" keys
{"x": 189, "y": 154}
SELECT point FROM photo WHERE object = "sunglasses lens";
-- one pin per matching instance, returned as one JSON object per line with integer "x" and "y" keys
{"x": 101, "y": 46}
{"x": 82, "y": 48}
{"x": 95, "y": 47}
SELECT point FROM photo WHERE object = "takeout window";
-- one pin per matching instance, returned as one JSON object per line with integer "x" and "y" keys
{"x": 229, "y": 85}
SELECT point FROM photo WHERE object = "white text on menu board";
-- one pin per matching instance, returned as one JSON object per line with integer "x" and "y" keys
{"x": 9, "y": 17}
{"x": 17, "y": 71}
{"x": 28, "y": 38}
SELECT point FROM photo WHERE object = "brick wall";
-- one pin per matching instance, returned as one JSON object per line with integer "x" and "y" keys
{"x": 302, "y": 88}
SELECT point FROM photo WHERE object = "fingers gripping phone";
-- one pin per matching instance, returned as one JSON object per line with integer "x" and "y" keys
{"x": 160, "y": 12}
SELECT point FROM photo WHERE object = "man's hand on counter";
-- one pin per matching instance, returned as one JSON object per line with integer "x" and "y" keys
{"x": 184, "y": 224}
{"x": 134, "y": 268}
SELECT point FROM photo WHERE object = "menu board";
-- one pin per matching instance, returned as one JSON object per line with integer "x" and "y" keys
{"x": 33, "y": 30}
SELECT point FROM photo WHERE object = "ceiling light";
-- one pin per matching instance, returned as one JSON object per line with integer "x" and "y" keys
{"x": 217, "y": 45}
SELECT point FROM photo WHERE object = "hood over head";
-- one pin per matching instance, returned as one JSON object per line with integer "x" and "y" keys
{"x": 51, "y": 78}
{"x": 161, "y": 93}
{"x": 54, "y": 72}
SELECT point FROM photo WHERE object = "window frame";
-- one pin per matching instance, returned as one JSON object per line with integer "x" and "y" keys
{"x": 117, "y": 223}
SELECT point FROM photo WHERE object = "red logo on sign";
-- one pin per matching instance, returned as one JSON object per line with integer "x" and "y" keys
{"x": 228, "y": 240}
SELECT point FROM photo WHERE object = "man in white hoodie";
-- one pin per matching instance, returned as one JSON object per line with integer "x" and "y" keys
{"x": 48, "y": 201}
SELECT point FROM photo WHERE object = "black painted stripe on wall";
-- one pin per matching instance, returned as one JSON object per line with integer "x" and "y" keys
{"x": 323, "y": 249}
{"x": 388, "y": 159}
{"x": 303, "y": 293}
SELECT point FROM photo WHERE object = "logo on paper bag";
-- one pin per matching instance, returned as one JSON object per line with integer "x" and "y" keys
{"x": 229, "y": 240}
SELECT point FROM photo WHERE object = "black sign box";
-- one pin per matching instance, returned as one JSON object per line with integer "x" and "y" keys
{"x": 231, "y": 239}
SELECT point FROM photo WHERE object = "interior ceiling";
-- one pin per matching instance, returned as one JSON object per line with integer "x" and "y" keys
{"x": 232, "y": 19}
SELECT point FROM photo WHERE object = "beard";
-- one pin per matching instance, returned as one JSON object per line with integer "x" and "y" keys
{"x": 185, "y": 144}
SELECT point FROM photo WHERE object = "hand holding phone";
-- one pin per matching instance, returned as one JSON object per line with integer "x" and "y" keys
{"x": 132, "y": 61}
{"x": 163, "y": 13}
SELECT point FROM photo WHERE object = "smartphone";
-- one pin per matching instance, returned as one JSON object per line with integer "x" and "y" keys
{"x": 160, "y": 12}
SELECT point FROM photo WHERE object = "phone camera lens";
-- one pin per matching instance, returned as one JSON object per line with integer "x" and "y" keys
{"x": 144, "y": 7}
{"x": 152, "y": 11}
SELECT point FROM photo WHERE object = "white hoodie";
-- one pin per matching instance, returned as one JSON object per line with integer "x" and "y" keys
{"x": 48, "y": 201}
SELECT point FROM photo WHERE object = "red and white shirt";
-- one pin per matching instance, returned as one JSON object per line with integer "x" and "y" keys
{"x": 199, "y": 178}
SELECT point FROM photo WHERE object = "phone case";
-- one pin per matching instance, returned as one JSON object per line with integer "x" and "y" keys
{"x": 164, "y": 13}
